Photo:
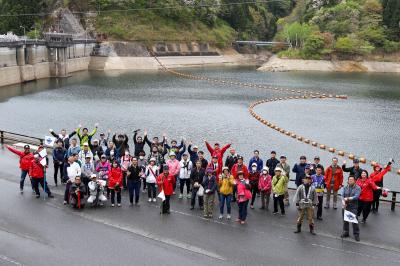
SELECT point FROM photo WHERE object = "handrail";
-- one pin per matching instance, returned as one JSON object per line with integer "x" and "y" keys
{"x": 17, "y": 137}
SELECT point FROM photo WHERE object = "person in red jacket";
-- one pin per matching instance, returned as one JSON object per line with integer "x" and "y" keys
{"x": 36, "y": 172}
{"x": 115, "y": 183}
{"x": 217, "y": 152}
{"x": 25, "y": 160}
{"x": 367, "y": 186}
{"x": 333, "y": 181}
{"x": 239, "y": 167}
{"x": 165, "y": 182}
{"x": 377, "y": 177}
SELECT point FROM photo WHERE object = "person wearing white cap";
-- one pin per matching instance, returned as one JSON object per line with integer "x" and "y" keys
{"x": 96, "y": 189}
{"x": 174, "y": 167}
{"x": 151, "y": 175}
{"x": 193, "y": 152}
{"x": 85, "y": 152}
{"x": 278, "y": 188}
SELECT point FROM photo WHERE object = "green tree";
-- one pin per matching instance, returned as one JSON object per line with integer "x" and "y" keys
{"x": 314, "y": 44}
{"x": 352, "y": 45}
{"x": 391, "y": 17}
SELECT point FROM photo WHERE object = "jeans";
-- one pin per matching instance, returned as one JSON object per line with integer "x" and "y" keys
{"x": 113, "y": 191}
{"x": 66, "y": 192}
{"x": 364, "y": 207}
{"x": 193, "y": 198}
{"x": 134, "y": 190}
{"x": 209, "y": 204}
{"x": 320, "y": 204}
{"x": 165, "y": 205}
{"x": 243, "y": 210}
{"x": 375, "y": 203}
{"x": 124, "y": 180}
{"x": 222, "y": 199}
{"x": 182, "y": 183}
{"x": 151, "y": 190}
{"x": 279, "y": 200}
{"x": 346, "y": 229}
{"x": 254, "y": 191}
{"x": 22, "y": 180}
{"x": 328, "y": 197}
{"x": 45, "y": 186}
{"x": 58, "y": 167}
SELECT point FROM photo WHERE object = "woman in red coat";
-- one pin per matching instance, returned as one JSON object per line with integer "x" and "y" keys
{"x": 165, "y": 182}
{"x": 377, "y": 177}
{"x": 115, "y": 182}
{"x": 367, "y": 186}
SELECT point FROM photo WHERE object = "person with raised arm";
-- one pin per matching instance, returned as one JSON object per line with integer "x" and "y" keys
{"x": 377, "y": 177}
{"x": 63, "y": 136}
{"x": 139, "y": 141}
{"x": 85, "y": 136}
{"x": 25, "y": 160}
{"x": 218, "y": 152}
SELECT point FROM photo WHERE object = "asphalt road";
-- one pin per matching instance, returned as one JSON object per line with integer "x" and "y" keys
{"x": 44, "y": 232}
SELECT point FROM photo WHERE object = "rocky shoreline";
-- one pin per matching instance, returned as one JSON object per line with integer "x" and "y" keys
{"x": 276, "y": 64}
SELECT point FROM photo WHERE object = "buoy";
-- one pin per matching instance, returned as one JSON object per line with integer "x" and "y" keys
{"x": 341, "y": 153}
{"x": 332, "y": 150}
{"x": 314, "y": 143}
{"x": 282, "y": 130}
{"x": 363, "y": 160}
{"x": 398, "y": 172}
{"x": 351, "y": 156}
{"x": 300, "y": 138}
{"x": 307, "y": 141}
{"x": 293, "y": 135}
{"x": 322, "y": 146}
{"x": 287, "y": 133}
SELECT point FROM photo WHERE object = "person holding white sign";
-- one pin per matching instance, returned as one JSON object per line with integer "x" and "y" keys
{"x": 350, "y": 196}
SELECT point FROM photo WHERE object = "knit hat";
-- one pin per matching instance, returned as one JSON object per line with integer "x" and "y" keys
{"x": 278, "y": 169}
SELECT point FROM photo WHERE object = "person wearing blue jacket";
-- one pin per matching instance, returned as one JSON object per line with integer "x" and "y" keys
{"x": 299, "y": 169}
{"x": 59, "y": 154}
{"x": 257, "y": 160}
{"x": 210, "y": 186}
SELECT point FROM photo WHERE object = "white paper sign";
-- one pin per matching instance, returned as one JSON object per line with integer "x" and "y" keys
{"x": 350, "y": 217}
{"x": 49, "y": 141}
{"x": 43, "y": 153}
{"x": 161, "y": 195}
{"x": 43, "y": 162}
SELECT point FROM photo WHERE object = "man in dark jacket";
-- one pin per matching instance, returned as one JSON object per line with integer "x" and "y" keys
{"x": 121, "y": 143}
{"x": 77, "y": 194}
{"x": 63, "y": 136}
{"x": 355, "y": 170}
{"x": 193, "y": 153}
{"x": 231, "y": 159}
{"x": 139, "y": 141}
{"x": 203, "y": 161}
{"x": 351, "y": 194}
{"x": 96, "y": 149}
{"x": 59, "y": 154}
{"x": 299, "y": 169}
{"x": 272, "y": 163}
{"x": 315, "y": 165}
{"x": 196, "y": 179}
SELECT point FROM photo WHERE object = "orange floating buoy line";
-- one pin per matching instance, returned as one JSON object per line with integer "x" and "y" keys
{"x": 304, "y": 95}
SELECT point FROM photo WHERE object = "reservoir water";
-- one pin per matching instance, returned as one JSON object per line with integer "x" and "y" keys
{"x": 366, "y": 124}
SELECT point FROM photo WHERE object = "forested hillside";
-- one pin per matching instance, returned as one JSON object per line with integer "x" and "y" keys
{"x": 313, "y": 28}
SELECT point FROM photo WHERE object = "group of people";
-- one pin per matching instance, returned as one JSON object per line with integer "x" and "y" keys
{"x": 97, "y": 170}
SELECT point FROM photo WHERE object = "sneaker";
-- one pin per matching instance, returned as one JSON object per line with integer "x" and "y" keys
{"x": 50, "y": 196}
{"x": 275, "y": 213}
{"x": 112, "y": 205}
{"x": 363, "y": 221}
{"x": 188, "y": 196}
{"x": 149, "y": 200}
{"x": 154, "y": 200}
{"x": 344, "y": 235}
{"x": 228, "y": 217}
{"x": 65, "y": 202}
{"x": 220, "y": 216}
{"x": 319, "y": 218}
{"x": 37, "y": 196}
{"x": 191, "y": 208}
{"x": 205, "y": 216}
{"x": 180, "y": 196}
{"x": 335, "y": 207}
{"x": 242, "y": 222}
{"x": 326, "y": 207}
{"x": 101, "y": 204}
{"x": 21, "y": 191}
{"x": 357, "y": 238}
{"x": 251, "y": 206}
{"x": 119, "y": 204}
{"x": 283, "y": 214}
{"x": 262, "y": 208}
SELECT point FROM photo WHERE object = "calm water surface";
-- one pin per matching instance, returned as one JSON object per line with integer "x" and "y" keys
{"x": 366, "y": 124}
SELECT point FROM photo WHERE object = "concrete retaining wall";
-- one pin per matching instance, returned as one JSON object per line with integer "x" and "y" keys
{"x": 9, "y": 75}
{"x": 78, "y": 64}
{"x": 8, "y": 57}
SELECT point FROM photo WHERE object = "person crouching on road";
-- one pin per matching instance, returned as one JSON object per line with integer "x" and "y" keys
{"x": 305, "y": 200}
{"x": 36, "y": 172}
{"x": 77, "y": 194}
{"x": 226, "y": 184}
{"x": 96, "y": 189}
{"x": 279, "y": 182}
{"x": 210, "y": 186}
{"x": 115, "y": 183}
{"x": 243, "y": 196}
{"x": 265, "y": 185}
{"x": 350, "y": 196}
{"x": 165, "y": 182}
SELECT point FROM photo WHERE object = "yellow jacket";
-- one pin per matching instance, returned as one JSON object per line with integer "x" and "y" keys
{"x": 226, "y": 184}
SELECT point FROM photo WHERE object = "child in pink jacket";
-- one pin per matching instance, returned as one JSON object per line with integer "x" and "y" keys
{"x": 264, "y": 185}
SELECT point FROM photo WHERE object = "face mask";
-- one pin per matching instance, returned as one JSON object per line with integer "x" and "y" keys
{"x": 126, "y": 153}
{"x": 141, "y": 157}
{"x": 254, "y": 168}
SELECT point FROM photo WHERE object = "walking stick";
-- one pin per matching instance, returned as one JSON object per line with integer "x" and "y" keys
{"x": 44, "y": 182}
